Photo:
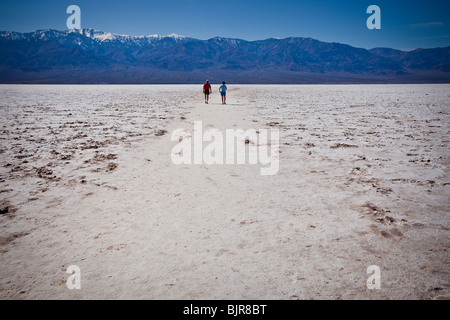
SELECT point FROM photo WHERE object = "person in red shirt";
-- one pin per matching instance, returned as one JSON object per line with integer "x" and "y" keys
{"x": 207, "y": 90}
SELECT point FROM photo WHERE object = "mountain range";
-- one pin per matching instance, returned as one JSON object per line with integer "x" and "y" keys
{"x": 89, "y": 56}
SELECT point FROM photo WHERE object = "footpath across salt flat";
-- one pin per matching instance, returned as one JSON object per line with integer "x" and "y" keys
{"x": 150, "y": 229}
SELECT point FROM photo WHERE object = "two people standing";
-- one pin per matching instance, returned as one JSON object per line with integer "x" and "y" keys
{"x": 207, "y": 91}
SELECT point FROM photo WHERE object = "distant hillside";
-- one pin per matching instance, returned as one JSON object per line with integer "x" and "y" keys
{"x": 90, "y": 56}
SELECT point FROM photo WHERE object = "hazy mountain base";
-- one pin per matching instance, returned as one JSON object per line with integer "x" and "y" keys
{"x": 134, "y": 75}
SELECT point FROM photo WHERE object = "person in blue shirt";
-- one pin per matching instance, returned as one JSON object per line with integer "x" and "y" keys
{"x": 223, "y": 92}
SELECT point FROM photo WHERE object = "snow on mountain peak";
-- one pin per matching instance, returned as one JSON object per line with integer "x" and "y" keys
{"x": 95, "y": 35}
{"x": 12, "y": 35}
{"x": 176, "y": 36}
{"x": 104, "y": 36}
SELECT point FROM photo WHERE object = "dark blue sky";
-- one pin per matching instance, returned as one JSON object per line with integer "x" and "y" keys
{"x": 405, "y": 24}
